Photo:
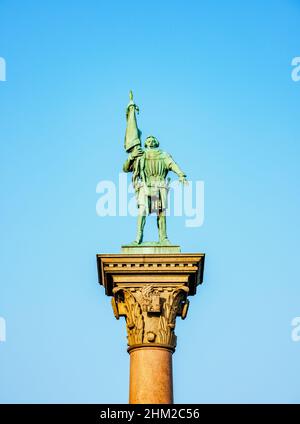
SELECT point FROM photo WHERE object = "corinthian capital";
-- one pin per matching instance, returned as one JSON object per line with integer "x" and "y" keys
{"x": 150, "y": 291}
{"x": 150, "y": 312}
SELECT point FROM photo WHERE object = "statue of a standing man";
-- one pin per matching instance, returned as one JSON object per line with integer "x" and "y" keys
{"x": 150, "y": 168}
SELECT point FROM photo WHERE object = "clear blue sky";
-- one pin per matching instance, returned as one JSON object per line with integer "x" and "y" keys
{"x": 213, "y": 81}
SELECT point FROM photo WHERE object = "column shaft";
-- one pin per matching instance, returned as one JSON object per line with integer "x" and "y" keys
{"x": 151, "y": 375}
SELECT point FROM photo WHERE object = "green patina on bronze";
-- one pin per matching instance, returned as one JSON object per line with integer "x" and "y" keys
{"x": 149, "y": 167}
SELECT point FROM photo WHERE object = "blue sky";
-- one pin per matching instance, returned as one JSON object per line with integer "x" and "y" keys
{"x": 213, "y": 82}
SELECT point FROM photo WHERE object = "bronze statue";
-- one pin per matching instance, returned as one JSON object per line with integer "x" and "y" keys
{"x": 150, "y": 168}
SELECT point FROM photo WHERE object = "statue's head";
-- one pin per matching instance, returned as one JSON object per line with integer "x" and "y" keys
{"x": 151, "y": 142}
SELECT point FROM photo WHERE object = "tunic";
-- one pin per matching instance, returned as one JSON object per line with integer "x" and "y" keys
{"x": 149, "y": 178}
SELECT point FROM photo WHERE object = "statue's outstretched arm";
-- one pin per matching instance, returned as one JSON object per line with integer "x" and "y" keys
{"x": 173, "y": 166}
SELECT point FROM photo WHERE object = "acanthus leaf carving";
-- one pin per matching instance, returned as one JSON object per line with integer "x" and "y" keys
{"x": 171, "y": 308}
{"x": 151, "y": 312}
{"x": 131, "y": 309}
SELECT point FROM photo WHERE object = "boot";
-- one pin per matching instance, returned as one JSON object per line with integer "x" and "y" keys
{"x": 162, "y": 229}
{"x": 140, "y": 229}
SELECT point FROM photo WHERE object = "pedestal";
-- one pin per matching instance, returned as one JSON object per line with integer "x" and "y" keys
{"x": 150, "y": 291}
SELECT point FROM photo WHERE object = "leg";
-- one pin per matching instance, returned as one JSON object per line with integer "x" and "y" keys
{"x": 141, "y": 220}
{"x": 162, "y": 227}
{"x": 142, "y": 201}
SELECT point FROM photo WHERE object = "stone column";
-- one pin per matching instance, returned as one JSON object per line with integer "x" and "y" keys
{"x": 151, "y": 378}
{"x": 150, "y": 291}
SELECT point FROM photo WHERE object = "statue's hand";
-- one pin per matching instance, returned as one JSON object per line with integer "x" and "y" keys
{"x": 182, "y": 179}
{"x": 137, "y": 152}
